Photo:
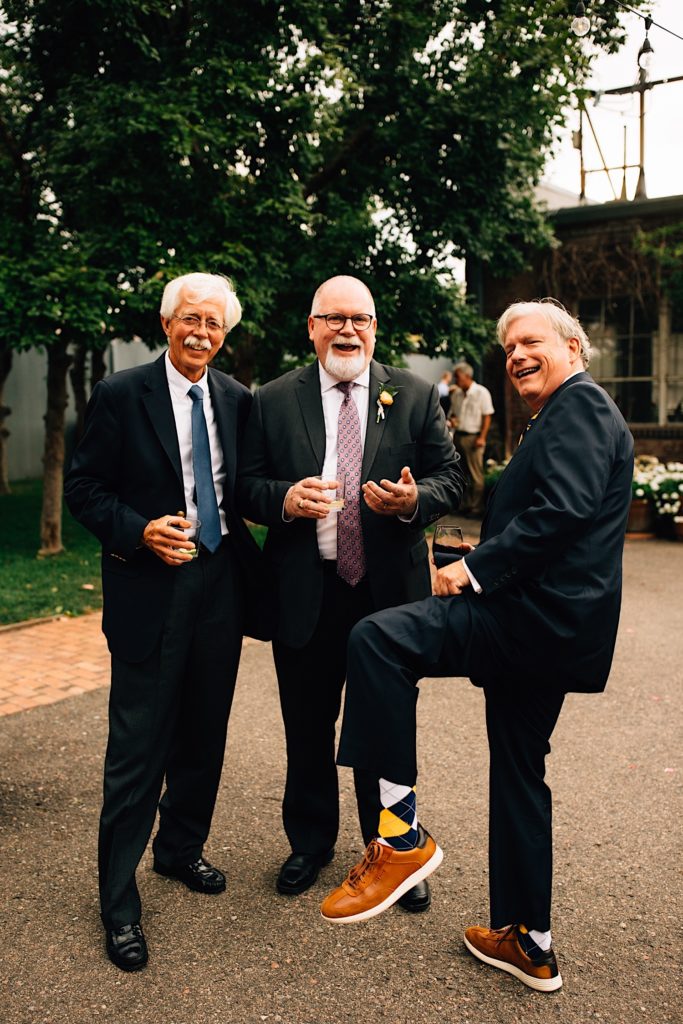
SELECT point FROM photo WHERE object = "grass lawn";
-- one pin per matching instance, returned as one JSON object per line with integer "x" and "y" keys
{"x": 66, "y": 584}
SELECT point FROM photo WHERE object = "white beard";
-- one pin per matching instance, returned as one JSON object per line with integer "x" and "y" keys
{"x": 345, "y": 367}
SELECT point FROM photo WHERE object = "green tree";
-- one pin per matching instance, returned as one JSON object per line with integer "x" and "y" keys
{"x": 279, "y": 143}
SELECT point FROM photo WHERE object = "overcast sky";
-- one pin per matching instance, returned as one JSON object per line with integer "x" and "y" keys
{"x": 663, "y": 119}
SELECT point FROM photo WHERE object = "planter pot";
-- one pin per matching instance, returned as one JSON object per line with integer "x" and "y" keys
{"x": 665, "y": 527}
{"x": 641, "y": 516}
{"x": 678, "y": 527}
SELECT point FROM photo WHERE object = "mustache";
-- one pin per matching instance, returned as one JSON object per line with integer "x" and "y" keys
{"x": 201, "y": 344}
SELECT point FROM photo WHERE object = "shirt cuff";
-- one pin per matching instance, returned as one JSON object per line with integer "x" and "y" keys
{"x": 406, "y": 519}
{"x": 475, "y": 585}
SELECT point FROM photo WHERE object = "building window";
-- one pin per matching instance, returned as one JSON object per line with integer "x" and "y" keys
{"x": 637, "y": 356}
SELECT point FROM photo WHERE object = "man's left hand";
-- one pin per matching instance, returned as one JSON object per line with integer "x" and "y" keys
{"x": 452, "y": 579}
{"x": 387, "y": 499}
{"x": 480, "y": 442}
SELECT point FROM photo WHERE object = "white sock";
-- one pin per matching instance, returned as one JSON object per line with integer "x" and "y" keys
{"x": 542, "y": 939}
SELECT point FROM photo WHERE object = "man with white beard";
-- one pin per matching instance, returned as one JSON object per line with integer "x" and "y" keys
{"x": 384, "y": 430}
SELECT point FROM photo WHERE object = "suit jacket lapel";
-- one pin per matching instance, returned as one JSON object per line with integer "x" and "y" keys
{"x": 311, "y": 408}
{"x": 224, "y": 402}
{"x": 157, "y": 401}
{"x": 374, "y": 430}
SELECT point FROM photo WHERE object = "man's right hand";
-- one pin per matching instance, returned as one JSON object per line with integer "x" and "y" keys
{"x": 307, "y": 499}
{"x": 165, "y": 537}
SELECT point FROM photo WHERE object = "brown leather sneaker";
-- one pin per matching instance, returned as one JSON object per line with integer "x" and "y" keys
{"x": 381, "y": 878}
{"x": 501, "y": 948}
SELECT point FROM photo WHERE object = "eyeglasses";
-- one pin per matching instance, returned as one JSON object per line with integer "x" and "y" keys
{"x": 335, "y": 321}
{"x": 193, "y": 322}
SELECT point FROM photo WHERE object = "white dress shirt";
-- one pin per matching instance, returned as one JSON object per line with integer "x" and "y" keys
{"x": 332, "y": 399}
{"x": 179, "y": 386}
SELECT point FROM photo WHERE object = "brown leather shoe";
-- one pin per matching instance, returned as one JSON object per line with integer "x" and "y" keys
{"x": 381, "y": 878}
{"x": 501, "y": 948}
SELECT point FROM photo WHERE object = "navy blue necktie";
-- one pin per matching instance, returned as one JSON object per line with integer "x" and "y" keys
{"x": 207, "y": 506}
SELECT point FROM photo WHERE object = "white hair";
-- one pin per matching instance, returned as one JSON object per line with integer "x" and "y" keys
{"x": 562, "y": 322}
{"x": 199, "y": 288}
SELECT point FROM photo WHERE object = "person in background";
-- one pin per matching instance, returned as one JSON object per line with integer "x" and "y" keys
{"x": 471, "y": 410}
{"x": 445, "y": 387}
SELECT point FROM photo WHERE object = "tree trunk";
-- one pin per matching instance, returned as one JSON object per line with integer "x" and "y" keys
{"x": 98, "y": 366}
{"x": 5, "y": 367}
{"x": 58, "y": 361}
{"x": 77, "y": 377}
{"x": 243, "y": 360}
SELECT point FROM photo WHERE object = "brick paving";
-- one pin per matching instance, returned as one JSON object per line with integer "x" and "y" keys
{"x": 42, "y": 662}
{"x": 47, "y": 661}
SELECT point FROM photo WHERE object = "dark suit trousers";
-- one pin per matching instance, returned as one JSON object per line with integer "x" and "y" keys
{"x": 389, "y": 653}
{"x": 168, "y": 715}
{"x": 311, "y": 680}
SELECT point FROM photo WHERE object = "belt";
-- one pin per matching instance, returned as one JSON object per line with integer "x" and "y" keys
{"x": 467, "y": 433}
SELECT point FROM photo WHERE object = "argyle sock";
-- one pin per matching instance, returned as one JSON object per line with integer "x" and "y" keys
{"x": 398, "y": 818}
{"x": 534, "y": 943}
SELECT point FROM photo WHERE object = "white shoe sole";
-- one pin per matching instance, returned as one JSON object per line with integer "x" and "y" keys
{"x": 540, "y": 984}
{"x": 417, "y": 876}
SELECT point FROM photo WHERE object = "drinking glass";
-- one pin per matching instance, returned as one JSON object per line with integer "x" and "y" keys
{"x": 337, "y": 495}
{"x": 447, "y": 546}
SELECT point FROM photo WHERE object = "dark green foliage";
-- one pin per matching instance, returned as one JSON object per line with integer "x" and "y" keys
{"x": 278, "y": 143}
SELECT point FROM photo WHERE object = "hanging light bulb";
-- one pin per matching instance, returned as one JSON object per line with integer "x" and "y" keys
{"x": 580, "y": 25}
{"x": 646, "y": 53}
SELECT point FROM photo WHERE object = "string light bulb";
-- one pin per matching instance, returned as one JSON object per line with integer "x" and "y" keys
{"x": 581, "y": 24}
{"x": 646, "y": 53}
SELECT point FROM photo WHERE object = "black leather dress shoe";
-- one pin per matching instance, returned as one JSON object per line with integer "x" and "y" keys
{"x": 300, "y": 871}
{"x": 126, "y": 947}
{"x": 199, "y": 876}
{"x": 417, "y": 899}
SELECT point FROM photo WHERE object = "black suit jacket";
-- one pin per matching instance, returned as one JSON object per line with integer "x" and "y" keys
{"x": 551, "y": 547}
{"x": 125, "y": 471}
{"x": 285, "y": 441}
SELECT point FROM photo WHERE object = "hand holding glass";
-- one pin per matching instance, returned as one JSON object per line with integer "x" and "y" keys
{"x": 192, "y": 534}
{"x": 337, "y": 495}
{"x": 448, "y": 546}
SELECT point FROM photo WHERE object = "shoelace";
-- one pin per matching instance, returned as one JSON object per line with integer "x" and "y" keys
{"x": 133, "y": 938}
{"x": 370, "y": 857}
{"x": 504, "y": 933}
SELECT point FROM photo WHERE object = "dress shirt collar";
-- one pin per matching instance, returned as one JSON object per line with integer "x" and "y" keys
{"x": 179, "y": 384}
{"x": 327, "y": 381}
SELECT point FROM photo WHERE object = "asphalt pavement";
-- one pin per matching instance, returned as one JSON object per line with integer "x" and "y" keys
{"x": 251, "y": 955}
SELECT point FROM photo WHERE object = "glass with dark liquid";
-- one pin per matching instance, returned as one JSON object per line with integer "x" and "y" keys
{"x": 448, "y": 545}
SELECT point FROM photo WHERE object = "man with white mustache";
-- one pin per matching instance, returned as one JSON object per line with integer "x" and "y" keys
{"x": 160, "y": 438}
{"x": 386, "y": 428}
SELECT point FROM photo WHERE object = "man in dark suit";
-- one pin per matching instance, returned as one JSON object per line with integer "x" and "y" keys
{"x": 385, "y": 429}
{"x": 160, "y": 438}
{"x": 531, "y": 614}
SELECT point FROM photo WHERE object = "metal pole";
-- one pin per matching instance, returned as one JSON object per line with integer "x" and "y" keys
{"x": 641, "y": 192}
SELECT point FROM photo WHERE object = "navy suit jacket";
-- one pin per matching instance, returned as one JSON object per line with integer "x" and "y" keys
{"x": 549, "y": 561}
{"x": 285, "y": 442}
{"x": 125, "y": 471}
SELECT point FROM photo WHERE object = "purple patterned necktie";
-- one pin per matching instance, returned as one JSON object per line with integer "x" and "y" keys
{"x": 350, "y": 554}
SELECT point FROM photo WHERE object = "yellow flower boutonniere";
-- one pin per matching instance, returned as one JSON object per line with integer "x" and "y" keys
{"x": 387, "y": 394}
